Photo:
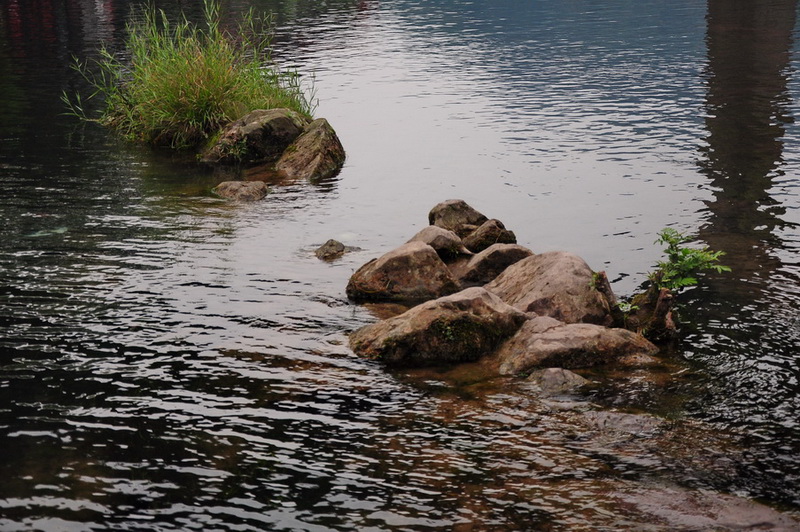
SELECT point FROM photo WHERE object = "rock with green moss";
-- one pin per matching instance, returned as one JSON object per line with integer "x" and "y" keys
{"x": 558, "y": 284}
{"x": 547, "y": 342}
{"x": 461, "y": 327}
{"x": 316, "y": 154}
{"x": 260, "y": 136}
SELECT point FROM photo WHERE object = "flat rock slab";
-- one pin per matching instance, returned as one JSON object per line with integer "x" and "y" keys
{"x": 412, "y": 272}
{"x": 315, "y": 155}
{"x": 461, "y": 327}
{"x": 557, "y": 284}
{"x": 546, "y": 342}
{"x": 241, "y": 190}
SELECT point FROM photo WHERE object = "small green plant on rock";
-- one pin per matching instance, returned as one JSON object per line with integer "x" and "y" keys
{"x": 650, "y": 312}
{"x": 683, "y": 263}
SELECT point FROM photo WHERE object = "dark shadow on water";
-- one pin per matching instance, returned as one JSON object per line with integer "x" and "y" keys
{"x": 747, "y": 104}
{"x": 743, "y": 321}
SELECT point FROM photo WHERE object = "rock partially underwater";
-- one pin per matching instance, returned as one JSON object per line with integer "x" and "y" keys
{"x": 283, "y": 142}
{"x": 516, "y": 310}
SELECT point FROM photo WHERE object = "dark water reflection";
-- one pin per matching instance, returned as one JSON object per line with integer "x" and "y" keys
{"x": 170, "y": 361}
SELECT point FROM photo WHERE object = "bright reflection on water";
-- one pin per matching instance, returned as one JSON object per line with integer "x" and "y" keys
{"x": 172, "y": 361}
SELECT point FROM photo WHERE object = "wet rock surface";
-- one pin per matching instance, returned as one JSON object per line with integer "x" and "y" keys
{"x": 260, "y": 135}
{"x": 411, "y": 272}
{"x": 556, "y": 284}
{"x": 556, "y": 381}
{"x": 458, "y": 328}
{"x": 315, "y": 155}
{"x": 332, "y": 250}
{"x": 455, "y": 215}
{"x": 545, "y": 341}
{"x": 485, "y": 266}
{"x": 489, "y": 233}
{"x": 446, "y": 243}
{"x": 241, "y": 190}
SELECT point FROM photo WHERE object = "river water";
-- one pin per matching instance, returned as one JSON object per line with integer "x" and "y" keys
{"x": 170, "y": 361}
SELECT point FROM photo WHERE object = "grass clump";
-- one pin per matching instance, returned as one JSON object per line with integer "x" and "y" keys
{"x": 181, "y": 83}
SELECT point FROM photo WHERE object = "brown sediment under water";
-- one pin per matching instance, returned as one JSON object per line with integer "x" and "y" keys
{"x": 173, "y": 361}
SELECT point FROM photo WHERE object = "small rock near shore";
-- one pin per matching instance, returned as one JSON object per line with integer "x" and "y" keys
{"x": 241, "y": 190}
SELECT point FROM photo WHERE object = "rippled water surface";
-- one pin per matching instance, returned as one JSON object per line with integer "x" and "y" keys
{"x": 171, "y": 361}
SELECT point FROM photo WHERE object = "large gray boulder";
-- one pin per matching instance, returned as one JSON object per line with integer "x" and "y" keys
{"x": 490, "y": 232}
{"x": 547, "y": 342}
{"x": 488, "y": 264}
{"x": 458, "y": 328}
{"x": 241, "y": 190}
{"x": 316, "y": 154}
{"x": 259, "y": 136}
{"x": 557, "y": 284}
{"x": 411, "y": 272}
{"x": 455, "y": 215}
{"x": 446, "y": 243}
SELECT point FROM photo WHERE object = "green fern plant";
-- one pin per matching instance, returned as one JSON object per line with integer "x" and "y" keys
{"x": 683, "y": 263}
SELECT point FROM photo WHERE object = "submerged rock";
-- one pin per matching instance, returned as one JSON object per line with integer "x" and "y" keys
{"x": 446, "y": 243}
{"x": 461, "y": 327}
{"x": 259, "y": 136}
{"x": 557, "y": 284}
{"x": 677, "y": 508}
{"x": 411, "y": 272}
{"x": 556, "y": 381}
{"x": 547, "y": 342}
{"x": 490, "y": 232}
{"x": 488, "y": 264}
{"x": 316, "y": 154}
{"x": 455, "y": 215}
{"x": 241, "y": 190}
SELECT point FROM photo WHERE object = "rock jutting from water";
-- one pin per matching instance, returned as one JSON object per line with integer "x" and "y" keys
{"x": 332, "y": 250}
{"x": 505, "y": 305}
{"x": 283, "y": 140}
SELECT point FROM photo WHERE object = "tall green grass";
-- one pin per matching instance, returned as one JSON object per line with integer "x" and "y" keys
{"x": 181, "y": 82}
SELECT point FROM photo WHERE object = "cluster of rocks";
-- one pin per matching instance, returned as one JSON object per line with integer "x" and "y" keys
{"x": 482, "y": 296}
{"x": 292, "y": 145}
